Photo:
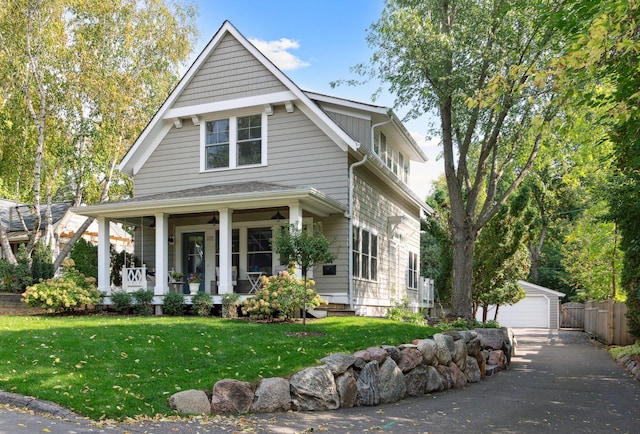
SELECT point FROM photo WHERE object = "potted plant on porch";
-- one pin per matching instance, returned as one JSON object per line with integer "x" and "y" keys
{"x": 194, "y": 283}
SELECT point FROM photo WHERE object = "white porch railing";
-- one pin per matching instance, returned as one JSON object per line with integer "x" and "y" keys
{"x": 134, "y": 278}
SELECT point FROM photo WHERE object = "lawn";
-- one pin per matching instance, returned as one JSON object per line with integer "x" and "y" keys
{"x": 115, "y": 367}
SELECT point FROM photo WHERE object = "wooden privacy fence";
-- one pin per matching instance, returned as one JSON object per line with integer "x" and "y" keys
{"x": 607, "y": 320}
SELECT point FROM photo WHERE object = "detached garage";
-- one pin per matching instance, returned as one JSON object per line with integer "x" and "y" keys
{"x": 538, "y": 309}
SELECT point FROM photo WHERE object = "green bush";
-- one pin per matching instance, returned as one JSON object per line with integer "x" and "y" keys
{"x": 63, "y": 294}
{"x": 41, "y": 262}
{"x": 281, "y": 295}
{"x": 85, "y": 255}
{"x": 401, "y": 311}
{"x": 22, "y": 270}
{"x": 118, "y": 261}
{"x": 8, "y": 280}
{"x": 142, "y": 299}
{"x": 202, "y": 303}
{"x": 121, "y": 301}
{"x": 173, "y": 304}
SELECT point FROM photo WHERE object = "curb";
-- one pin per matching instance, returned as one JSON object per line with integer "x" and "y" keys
{"x": 46, "y": 408}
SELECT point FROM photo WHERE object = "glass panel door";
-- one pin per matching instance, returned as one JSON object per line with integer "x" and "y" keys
{"x": 193, "y": 258}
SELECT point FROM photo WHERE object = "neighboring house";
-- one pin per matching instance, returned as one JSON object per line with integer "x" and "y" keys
{"x": 540, "y": 308}
{"x": 236, "y": 151}
{"x": 12, "y": 215}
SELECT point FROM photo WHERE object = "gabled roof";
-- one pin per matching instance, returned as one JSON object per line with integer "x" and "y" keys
{"x": 10, "y": 214}
{"x": 162, "y": 121}
{"x": 528, "y": 285}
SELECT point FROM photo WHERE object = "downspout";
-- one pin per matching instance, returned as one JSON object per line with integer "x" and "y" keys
{"x": 349, "y": 214}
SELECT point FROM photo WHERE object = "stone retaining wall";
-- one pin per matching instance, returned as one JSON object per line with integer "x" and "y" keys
{"x": 377, "y": 375}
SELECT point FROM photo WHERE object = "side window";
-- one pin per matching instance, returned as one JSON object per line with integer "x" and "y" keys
{"x": 365, "y": 254}
{"x": 412, "y": 271}
{"x": 356, "y": 251}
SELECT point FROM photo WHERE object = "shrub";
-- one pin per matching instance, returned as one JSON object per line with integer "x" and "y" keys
{"x": 401, "y": 311}
{"x": 41, "y": 262}
{"x": 281, "y": 295}
{"x": 22, "y": 269}
{"x": 202, "y": 303}
{"x": 85, "y": 255}
{"x": 173, "y": 304}
{"x": 122, "y": 301}
{"x": 230, "y": 303}
{"x": 8, "y": 279}
{"x": 143, "y": 298}
{"x": 64, "y": 293}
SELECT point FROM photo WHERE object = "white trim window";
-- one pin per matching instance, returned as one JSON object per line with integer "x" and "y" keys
{"x": 236, "y": 141}
{"x": 412, "y": 271}
{"x": 365, "y": 254}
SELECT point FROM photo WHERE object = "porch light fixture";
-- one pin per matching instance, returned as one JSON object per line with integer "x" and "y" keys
{"x": 213, "y": 220}
{"x": 277, "y": 216}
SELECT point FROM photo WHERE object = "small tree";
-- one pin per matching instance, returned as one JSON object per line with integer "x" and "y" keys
{"x": 306, "y": 248}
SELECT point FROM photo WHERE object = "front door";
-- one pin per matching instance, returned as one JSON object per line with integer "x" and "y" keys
{"x": 193, "y": 258}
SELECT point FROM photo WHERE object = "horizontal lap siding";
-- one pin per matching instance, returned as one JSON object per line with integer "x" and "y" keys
{"x": 374, "y": 203}
{"x": 230, "y": 72}
{"x": 299, "y": 154}
{"x": 359, "y": 129}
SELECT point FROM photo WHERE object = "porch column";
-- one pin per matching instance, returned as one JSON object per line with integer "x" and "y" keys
{"x": 226, "y": 224}
{"x": 162, "y": 254}
{"x": 295, "y": 219}
{"x": 104, "y": 256}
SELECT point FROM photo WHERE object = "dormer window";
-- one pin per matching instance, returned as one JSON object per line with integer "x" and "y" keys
{"x": 237, "y": 141}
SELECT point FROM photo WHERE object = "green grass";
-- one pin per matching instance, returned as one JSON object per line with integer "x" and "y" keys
{"x": 117, "y": 367}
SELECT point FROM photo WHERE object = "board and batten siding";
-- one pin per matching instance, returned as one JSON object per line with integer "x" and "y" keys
{"x": 299, "y": 154}
{"x": 358, "y": 128}
{"x": 230, "y": 72}
{"x": 374, "y": 203}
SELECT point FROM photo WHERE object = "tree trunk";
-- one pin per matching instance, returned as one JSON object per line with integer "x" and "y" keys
{"x": 495, "y": 316}
{"x": 463, "y": 249}
{"x": 534, "y": 253}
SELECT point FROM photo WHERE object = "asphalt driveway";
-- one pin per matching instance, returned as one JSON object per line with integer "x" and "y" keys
{"x": 558, "y": 381}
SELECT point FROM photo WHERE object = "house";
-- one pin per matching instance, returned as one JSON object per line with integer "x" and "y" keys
{"x": 236, "y": 151}
{"x": 13, "y": 214}
{"x": 540, "y": 308}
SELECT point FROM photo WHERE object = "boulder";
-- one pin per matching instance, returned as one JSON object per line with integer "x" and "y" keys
{"x": 467, "y": 335}
{"x": 368, "y": 385}
{"x": 427, "y": 348}
{"x": 410, "y": 358}
{"x": 416, "y": 380}
{"x": 434, "y": 381}
{"x": 378, "y": 354}
{"x": 459, "y": 355}
{"x": 473, "y": 347}
{"x": 190, "y": 402}
{"x": 391, "y": 382}
{"x": 339, "y": 363}
{"x": 272, "y": 395}
{"x": 393, "y": 352}
{"x": 497, "y": 358}
{"x": 362, "y": 355}
{"x": 472, "y": 370}
{"x": 444, "y": 347}
{"x": 447, "y": 379}
{"x": 454, "y": 334}
{"x": 314, "y": 389}
{"x": 347, "y": 387}
{"x": 231, "y": 396}
{"x": 457, "y": 376}
{"x": 494, "y": 339}
{"x": 482, "y": 365}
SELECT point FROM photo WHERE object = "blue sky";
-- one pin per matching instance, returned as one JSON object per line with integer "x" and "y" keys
{"x": 314, "y": 43}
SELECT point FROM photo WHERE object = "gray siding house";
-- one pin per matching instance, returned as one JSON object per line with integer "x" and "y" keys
{"x": 236, "y": 151}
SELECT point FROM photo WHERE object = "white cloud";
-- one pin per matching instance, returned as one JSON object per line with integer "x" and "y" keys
{"x": 278, "y": 53}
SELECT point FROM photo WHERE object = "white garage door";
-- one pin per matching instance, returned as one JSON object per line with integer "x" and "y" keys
{"x": 531, "y": 311}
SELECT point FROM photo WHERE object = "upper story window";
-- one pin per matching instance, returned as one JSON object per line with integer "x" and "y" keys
{"x": 390, "y": 157}
{"x": 234, "y": 142}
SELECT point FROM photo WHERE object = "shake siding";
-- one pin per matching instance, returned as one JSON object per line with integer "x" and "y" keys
{"x": 299, "y": 154}
{"x": 230, "y": 72}
{"x": 357, "y": 128}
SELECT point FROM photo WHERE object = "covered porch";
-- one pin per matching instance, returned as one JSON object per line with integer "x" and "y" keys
{"x": 221, "y": 235}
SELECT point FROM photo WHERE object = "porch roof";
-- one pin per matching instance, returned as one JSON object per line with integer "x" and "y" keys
{"x": 243, "y": 195}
